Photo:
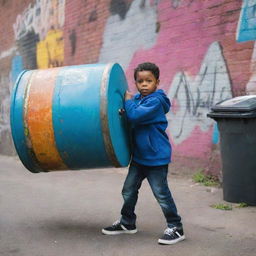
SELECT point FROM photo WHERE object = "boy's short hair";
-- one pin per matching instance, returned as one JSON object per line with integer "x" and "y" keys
{"x": 147, "y": 66}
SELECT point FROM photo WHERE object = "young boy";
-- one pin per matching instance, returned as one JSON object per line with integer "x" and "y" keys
{"x": 151, "y": 155}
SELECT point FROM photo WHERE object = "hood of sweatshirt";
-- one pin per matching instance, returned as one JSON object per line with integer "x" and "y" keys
{"x": 160, "y": 94}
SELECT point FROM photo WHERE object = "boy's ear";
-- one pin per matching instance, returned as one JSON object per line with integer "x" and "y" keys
{"x": 157, "y": 82}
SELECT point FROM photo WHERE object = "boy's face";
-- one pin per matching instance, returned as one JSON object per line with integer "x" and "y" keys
{"x": 146, "y": 82}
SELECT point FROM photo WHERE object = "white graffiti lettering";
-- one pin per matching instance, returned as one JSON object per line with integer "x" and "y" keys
{"x": 40, "y": 17}
{"x": 116, "y": 40}
{"x": 192, "y": 98}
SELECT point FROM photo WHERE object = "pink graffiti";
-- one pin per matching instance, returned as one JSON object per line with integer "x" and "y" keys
{"x": 201, "y": 24}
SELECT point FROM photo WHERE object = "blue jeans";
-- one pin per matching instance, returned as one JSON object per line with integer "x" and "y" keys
{"x": 157, "y": 179}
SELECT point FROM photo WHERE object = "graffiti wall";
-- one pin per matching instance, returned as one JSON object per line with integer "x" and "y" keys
{"x": 205, "y": 50}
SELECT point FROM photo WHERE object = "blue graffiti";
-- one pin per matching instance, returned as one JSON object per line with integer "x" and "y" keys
{"x": 215, "y": 134}
{"x": 17, "y": 67}
{"x": 247, "y": 24}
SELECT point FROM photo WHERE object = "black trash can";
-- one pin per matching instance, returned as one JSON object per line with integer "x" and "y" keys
{"x": 236, "y": 119}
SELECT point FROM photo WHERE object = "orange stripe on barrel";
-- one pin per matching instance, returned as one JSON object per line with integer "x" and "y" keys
{"x": 39, "y": 119}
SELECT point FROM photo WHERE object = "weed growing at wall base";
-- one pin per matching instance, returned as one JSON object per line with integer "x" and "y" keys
{"x": 225, "y": 207}
{"x": 228, "y": 207}
{"x": 242, "y": 205}
{"x": 206, "y": 180}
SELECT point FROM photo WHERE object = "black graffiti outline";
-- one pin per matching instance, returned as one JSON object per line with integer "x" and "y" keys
{"x": 192, "y": 103}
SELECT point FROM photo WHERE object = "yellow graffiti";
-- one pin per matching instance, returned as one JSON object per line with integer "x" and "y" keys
{"x": 50, "y": 51}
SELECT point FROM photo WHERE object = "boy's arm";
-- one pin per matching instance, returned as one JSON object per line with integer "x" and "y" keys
{"x": 143, "y": 112}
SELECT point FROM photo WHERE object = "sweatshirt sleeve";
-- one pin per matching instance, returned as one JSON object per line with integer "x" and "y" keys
{"x": 143, "y": 112}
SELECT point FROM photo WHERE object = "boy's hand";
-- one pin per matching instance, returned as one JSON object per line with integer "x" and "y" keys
{"x": 128, "y": 95}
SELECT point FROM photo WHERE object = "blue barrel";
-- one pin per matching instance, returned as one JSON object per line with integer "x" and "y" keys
{"x": 70, "y": 118}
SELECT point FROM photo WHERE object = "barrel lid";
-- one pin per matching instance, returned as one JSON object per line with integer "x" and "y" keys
{"x": 238, "y": 104}
{"x": 115, "y": 127}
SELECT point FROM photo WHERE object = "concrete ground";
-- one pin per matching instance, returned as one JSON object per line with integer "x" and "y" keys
{"x": 62, "y": 214}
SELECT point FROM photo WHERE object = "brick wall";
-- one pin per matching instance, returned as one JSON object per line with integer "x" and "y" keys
{"x": 204, "y": 48}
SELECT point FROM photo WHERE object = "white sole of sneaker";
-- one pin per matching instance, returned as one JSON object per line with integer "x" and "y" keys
{"x": 106, "y": 232}
{"x": 161, "y": 241}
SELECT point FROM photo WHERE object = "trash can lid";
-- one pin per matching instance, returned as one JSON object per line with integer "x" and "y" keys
{"x": 238, "y": 104}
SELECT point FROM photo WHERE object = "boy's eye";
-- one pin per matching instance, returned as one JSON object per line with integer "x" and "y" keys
{"x": 141, "y": 81}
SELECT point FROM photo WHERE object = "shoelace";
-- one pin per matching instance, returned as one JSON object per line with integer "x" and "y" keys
{"x": 171, "y": 232}
{"x": 116, "y": 223}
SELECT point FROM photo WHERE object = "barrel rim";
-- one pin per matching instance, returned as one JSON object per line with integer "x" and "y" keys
{"x": 12, "y": 124}
{"x": 13, "y": 96}
{"x": 104, "y": 117}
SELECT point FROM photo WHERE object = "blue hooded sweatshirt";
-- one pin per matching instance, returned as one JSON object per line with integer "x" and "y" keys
{"x": 151, "y": 146}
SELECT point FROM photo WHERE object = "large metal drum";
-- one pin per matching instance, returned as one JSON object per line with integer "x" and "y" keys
{"x": 69, "y": 118}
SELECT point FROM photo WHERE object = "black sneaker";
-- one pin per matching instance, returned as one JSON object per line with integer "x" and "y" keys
{"x": 118, "y": 228}
{"x": 172, "y": 236}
